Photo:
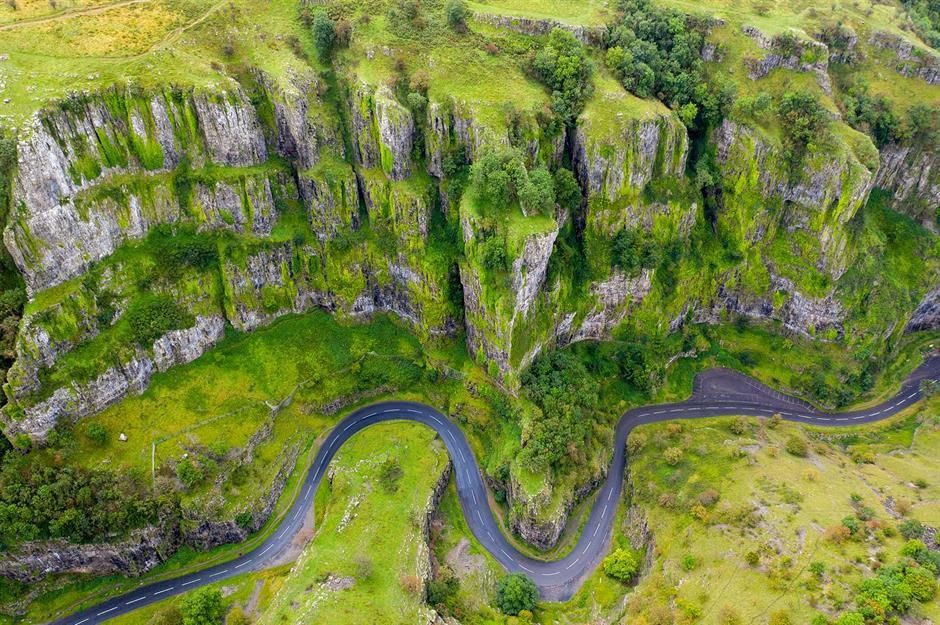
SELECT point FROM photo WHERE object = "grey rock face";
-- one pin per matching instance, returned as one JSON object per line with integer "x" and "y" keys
{"x": 142, "y": 551}
{"x": 913, "y": 62}
{"x": 71, "y": 211}
{"x": 383, "y": 131}
{"x": 222, "y": 205}
{"x": 231, "y": 129}
{"x": 913, "y": 177}
{"x": 590, "y": 35}
{"x": 927, "y": 315}
{"x": 80, "y": 400}
{"x": 779, "y": 57}
{"x": 609, "y": 164}
{"x": 331, "y": 204}
{"x": 838, "y": 187}
{"x": 798, "y": 313}
{"x": 614, "y": 297}
{"x": 530, "y": 268}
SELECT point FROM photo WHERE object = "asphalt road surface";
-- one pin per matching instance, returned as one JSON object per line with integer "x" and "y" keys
{"x": 716, "y": 392}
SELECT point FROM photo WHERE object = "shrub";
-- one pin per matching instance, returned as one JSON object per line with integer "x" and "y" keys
{"x": 390, "y": 474}
{"x": 457, "y": 13}
{"x": 688, "y": 562}
{"x": 739, "y": 426}
{"x": 911, "y": 528}
{"x": 621, "y": 565}
{"x": 493, "y": 254}
{"x": 673, "y": 455}
{"x": 237, "y": 616}
{"x": 708, "y": 497}
{"x": 752, "y": 558}
{"x": 567, "y": 191}
{"x": 168, "y": 615}
{"x": 922, "y": 583}
{"x": 97, "y": 433}
{"x": 837, "y": 534}
{"x": 189, "y": 473}
{"x": 152, "y": 316}
{"x": 516, "y": 592}
{"x": 779, "y": 618}
{"x": 797, "y": 446}
{"x": 850, "y": 618}
{"x": 203, "y": 607}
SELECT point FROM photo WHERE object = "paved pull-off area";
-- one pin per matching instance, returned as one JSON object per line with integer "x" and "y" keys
{"x": 716, "y": 392}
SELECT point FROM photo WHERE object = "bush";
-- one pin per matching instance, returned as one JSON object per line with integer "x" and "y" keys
{"x": 97, "y": 433}
{"x": 390, "y": 474}
{"x": 911, "y": 528}
{"x": 922, "y": 583}
{"x": 516, "y": 592}
{"x": 567, "y": 191}
{"x": 237, "y": 616}
{"x": 203, "y": 607}
{"x": 153, "y": 316}
{"x": 189, "y": 473}
{"x": 796, "y": 445}
{"x": 457, "y": 13}
{"x": 621, "y": 565}
{"x": 168, "y": 615}
{"x": 850, "y": 618}
{"x": 493, "y": 254}
{"x": 688, "y": 563}
{"x": 673, "y": 456}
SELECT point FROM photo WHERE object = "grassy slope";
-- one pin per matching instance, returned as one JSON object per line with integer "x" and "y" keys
{"x": 368, "y": 533}
{"x": 777, "y": 505}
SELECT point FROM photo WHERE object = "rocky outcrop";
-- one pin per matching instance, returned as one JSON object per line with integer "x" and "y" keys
{"x": 590, "y": 35}
{"x": 912, "y": 175}
{"x": 530, "y": 269}
{"x": 383, "y": 130}
{"x": 331, "y": 199}
{"x": 615, "y": 296}
{"x": 821, "y": 198}
{"x": 493, "y": 309}
{"x": 789, "y": 51}
{"x": 246, "y": 206}
{"x": 539, "y": 520}
{"x": 912, "y": 61}
{"x": 140, "y": 552}
{"x": 617, "y": 155}
{"x": 927, "y": 315}
{"x": 93, "y": 173}
{"x": 798, "y": 313}
{"x": 133, "y": 376}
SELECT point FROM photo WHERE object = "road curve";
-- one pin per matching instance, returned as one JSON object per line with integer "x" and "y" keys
{"x": 716, "y": 392}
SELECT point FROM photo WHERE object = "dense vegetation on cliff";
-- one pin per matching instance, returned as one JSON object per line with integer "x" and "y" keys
{"x": 567, "y": 208}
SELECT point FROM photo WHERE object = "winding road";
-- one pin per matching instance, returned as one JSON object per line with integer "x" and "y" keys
{"x": 716, "y": 392}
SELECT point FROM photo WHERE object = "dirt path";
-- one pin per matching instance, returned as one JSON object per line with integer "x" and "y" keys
{"x": 70, "y": 13}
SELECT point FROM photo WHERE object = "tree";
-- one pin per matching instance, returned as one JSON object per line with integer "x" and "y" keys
{"x": 564, "y": 66}
{"x": 324, "y": 34}
{"x": 537, "y": 192}
{"x": 621, "y": 565}
{"x": 516, "y": 592}
{"x": 803, "y": 120}
{"x": 567, "y": 191}
{"x": 457, "y": 13}
{"x": 203, "y": 607}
